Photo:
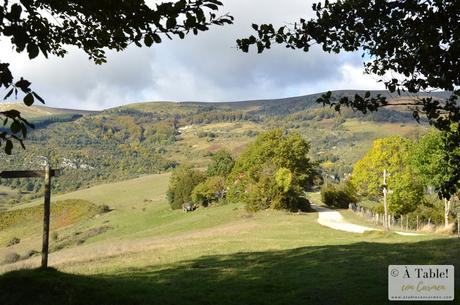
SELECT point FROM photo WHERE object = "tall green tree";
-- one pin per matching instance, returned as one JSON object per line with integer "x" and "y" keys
{"x": 411, "y": 46}
{"x": 272, "y": 172}
{"x": 432, "y": 161}
{"x": 391, "y": 154}
{"x": 47, "y": 27}
{"x": 181, "y": 184}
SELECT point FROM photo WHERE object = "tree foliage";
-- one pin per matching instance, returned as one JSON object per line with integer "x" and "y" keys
{"x": 209, "y": 191}
{"x": 48, "y": 27}
{"x": 338, "y": 196}
{"x": 431, "y": 160}
{"x": 272, "y": 172}
{"x": 181, "y": 184}
{"x": 221, "y": 164}
{"x": 417, "y": 42}
{"x": 392, "y": 154}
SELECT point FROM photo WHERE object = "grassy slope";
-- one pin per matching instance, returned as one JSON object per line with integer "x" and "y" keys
{"x": 219, "y": 255}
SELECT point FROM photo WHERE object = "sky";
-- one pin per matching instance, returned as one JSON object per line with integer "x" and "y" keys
{"x": 207, "y": 67}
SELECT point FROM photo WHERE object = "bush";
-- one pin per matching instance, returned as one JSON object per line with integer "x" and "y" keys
{"x": 430, "y": 211}
{"x": 13, "y": 241}
{"x": 11, "y": 258}
{"x": 338, "y": 196}
{"x": 102, "y": 209}
{"x": 181, "y": 184}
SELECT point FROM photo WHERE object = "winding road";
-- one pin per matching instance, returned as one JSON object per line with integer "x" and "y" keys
{"x": 334, "y": 220}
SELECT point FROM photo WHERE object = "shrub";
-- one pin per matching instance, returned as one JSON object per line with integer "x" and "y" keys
{"x": 431, "y": 211}
{"x": 181, "y": 184}
{"x": 101, "y": 209}
{"x": 13, "y": 242}
{"x": 11, "y": 258}
{"x": 338, "y": 196}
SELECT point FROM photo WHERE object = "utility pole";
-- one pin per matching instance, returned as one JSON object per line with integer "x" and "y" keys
{"x": 385, "y": 207}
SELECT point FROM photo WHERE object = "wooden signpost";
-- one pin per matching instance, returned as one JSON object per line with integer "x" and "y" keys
{"x": 47, "y": 173}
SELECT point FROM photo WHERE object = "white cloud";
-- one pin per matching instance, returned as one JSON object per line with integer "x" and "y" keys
{"x": 205, "y": 68}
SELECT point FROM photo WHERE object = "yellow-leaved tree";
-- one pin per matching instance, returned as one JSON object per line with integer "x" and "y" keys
{"x": 391, "y": 154}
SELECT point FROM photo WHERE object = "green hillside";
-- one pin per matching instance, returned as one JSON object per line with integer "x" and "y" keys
{"x": 141, "y": 252}
{"x": 148, "y": 138}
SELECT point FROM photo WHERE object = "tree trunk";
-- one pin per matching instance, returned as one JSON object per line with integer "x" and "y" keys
{"x": 446, "y": 212}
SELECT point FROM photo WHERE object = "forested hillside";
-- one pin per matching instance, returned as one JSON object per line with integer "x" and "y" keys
{"x": 146, "y": 138}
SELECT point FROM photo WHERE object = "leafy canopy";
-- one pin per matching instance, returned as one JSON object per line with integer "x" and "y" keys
{"x": 48, "y": 27}
{"x": 272, "y": 172}
{"x": 434, "y": 162}
{"x": 209, "y": 191}
{"x": 221, "y": 164}
{"x": 181, "y": 184}
{"x": 412, "y": 46}
{"x": 392, "y": 154}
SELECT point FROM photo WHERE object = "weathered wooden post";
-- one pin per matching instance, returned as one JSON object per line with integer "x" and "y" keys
{"x": 46, "y": 217}
{"x": 47, "y": 174}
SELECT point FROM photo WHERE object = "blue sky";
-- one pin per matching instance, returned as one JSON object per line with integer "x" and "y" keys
{"x": 207, "y": 67}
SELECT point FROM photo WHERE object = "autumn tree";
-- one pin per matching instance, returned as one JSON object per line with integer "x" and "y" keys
{"x": 391, "y": 154}
{"x": 48, "y": 27}
{"x": 411, "y": 46}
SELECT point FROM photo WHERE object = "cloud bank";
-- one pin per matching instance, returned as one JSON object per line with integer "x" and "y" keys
{"x": 207, "y": 67}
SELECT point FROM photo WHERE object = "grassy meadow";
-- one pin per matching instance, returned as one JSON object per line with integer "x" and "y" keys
{"x": 148, "y": 254}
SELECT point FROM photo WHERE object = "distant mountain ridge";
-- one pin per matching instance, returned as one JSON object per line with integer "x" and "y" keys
{"x": 305, "y": 101}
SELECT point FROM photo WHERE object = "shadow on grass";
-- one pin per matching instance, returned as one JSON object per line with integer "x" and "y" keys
{"x": 340, "y": 274}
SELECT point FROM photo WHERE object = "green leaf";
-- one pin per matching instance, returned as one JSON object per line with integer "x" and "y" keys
{"x": 8, "y": 147}
{"x": 28, "y": 99}
{"x": 32, "y": 49}
{"x": 8, "y": 94}
{"x": 38, "y": 97}
{"x": 15, "y": 127}
{"x": 148, "y": 40}
{"x": 156, "y": 38}
{"x": 16, "y": 10}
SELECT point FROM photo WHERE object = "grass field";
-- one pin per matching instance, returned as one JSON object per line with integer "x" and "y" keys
{"x": 218, "y": 255}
